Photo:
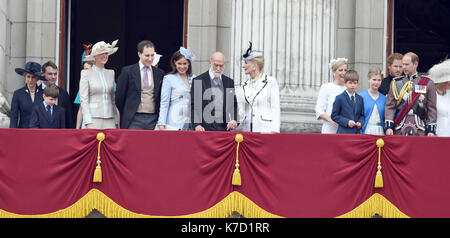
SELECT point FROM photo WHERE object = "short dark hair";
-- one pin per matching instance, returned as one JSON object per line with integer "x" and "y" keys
{"x": 175, "y": 57}
{"x": 143, "y": 44}
{"x": 51, "y": 91}
{"x": 351, "y": 75}
{"x": 47, "y": 64}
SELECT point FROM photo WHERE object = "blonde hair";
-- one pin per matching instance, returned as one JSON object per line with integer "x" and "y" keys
{"x": 336, "y": 63}
{"x": 374, "y": 72}
{"x": 259, "y": 61}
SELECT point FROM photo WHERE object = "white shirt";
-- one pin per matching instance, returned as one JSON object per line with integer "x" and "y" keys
{"x": 374, "y": 126}
{"x": 443, "y": 115}
{"x": 149, "y": 73}
{"x": 324, "y": 104}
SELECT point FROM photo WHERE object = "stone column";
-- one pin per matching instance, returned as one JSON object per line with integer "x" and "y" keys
{"x": 28, "y": 33}
{"x": 361, "y": 35}
{"x": 15, "y": 46}
{"x": 209, "y": 30}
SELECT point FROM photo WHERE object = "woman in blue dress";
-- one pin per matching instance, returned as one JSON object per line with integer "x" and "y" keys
{"x": 374, "y": 103}
{"x": 174, "y": 112}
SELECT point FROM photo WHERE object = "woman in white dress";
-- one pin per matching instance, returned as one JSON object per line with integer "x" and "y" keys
{"x": 328, "y": 93}
{"x": 374, "y": 103}
{"x": 440, "y": 74}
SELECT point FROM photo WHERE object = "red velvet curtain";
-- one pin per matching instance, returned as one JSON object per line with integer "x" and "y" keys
{"x": 171, "y": 173}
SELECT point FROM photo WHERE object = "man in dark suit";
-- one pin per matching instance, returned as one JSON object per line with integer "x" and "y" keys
{"x": 348, "y": 108}
{"x": 50, "y": 71}
{"x": 213, "y": 99}
{"x": 138, "y": 91}
{"x": 47, "y": 114}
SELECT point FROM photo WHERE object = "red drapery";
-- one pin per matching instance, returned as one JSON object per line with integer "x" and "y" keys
{"x": 167, "y": 173}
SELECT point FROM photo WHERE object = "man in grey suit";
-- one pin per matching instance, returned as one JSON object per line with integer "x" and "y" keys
{"x": 138, "y": 91}
{"x": 213, "y": 99}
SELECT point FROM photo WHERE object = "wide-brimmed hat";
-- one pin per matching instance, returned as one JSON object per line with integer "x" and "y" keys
{"x": 101, "y": 48}
{"x": 440, "y": 73}
{"x": 32, "y": 68}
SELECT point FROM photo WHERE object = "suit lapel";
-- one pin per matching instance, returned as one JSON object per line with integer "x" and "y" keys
{"x": 44, "y": 111}
{"x": 259, "y": 88}
{"x": 137, "y": 76}
{"x": 155, "y": 78}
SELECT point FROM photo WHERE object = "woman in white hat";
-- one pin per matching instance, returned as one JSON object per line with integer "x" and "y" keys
{"x": 440, "y": 74}
{"x": 97, "y": 95}
{"x": 327, "y": 94}
{"x": 261, "y": 96}
{"x": 174, "y": 113}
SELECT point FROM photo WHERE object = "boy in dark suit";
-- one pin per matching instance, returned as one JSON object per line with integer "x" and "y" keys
{"x": 348, "y": 108}
{"x": 48, "y": 115}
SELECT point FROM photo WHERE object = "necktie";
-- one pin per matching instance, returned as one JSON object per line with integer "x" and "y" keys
{"x": 146, "y": 81}
{"x": 353, "y": 101}
{"x": 216, "y": 81}
{"x": 49, "y": 111}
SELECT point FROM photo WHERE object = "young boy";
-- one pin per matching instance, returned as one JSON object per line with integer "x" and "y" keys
{"x": 48, "y": 115}
{"x": 348, "y": 108}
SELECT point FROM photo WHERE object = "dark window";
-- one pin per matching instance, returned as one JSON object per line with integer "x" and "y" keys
{"x": 423, "y": 28}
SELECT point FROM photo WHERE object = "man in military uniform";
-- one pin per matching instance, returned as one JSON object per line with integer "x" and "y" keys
{"x": 395, "y": 68}
{"x": 411, "y": 102}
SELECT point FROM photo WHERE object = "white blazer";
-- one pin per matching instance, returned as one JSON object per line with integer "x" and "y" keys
{"x": 261, "y": 105}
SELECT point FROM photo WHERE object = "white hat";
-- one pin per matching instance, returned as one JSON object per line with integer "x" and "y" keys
{"x": 101, "y": 48}
{"x": 250, "y": 54}
{"x": 156, "y": 59}
{"x": 440, "y": 73}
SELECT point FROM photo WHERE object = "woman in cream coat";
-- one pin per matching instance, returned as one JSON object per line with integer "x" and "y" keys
{"x": 261, "y": 96}
{"x": 97, "y": 90}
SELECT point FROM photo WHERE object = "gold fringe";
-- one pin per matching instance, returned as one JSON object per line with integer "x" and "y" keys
{"x": 95, "y": 199}
{"x": 377, "y": 204}
{"x": 234, "y": 202}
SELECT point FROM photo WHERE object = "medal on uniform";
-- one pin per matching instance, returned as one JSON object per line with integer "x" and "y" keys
{"x": 422, "y": 89}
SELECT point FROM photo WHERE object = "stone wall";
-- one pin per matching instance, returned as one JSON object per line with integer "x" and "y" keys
{"x": 27, "y": 33}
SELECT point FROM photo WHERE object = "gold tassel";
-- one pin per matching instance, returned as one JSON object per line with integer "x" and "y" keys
{"x": 379, "y": 176}
{"x": 236, "y": 181}
{"x": 98, "y": 169}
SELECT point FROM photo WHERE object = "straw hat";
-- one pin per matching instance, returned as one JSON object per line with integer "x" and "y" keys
{"x": 440, "y": 73}
{"x": 101, "y": 48}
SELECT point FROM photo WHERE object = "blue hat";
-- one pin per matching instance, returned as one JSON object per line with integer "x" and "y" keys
{"x": 31, "y": 68}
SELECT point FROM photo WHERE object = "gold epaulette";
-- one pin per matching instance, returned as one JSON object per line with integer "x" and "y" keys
{"x": 407, "y": 88}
